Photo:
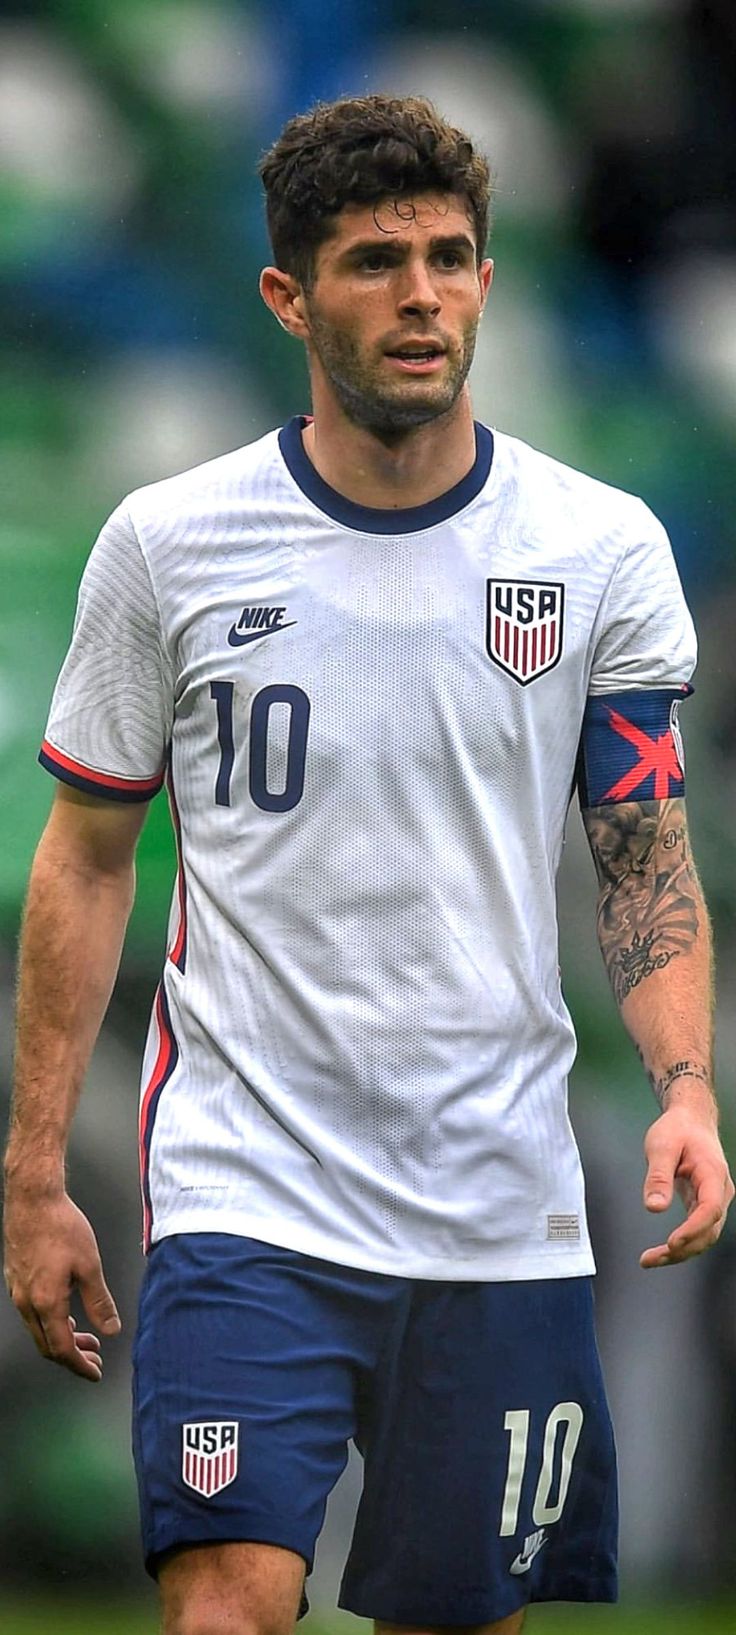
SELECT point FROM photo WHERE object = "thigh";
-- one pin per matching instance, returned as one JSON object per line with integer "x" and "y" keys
{"x": 229, "y": 1587}
{"x": 244, "y": 1394}
{"x": 489, "y": 1461}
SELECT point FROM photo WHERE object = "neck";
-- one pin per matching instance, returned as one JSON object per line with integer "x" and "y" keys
{"x": 412, "y": 470}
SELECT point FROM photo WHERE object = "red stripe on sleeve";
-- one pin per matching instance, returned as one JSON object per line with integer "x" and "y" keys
{"x": 104, "y": 779}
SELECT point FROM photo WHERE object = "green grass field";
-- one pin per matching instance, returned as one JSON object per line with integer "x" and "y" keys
{"x": 95, "y": 1618}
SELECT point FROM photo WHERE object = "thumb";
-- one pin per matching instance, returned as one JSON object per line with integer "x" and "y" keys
{"x": 99, "y": 1304}
{"x": 658, "y": 1185}
{"x": 663, "y": 1151}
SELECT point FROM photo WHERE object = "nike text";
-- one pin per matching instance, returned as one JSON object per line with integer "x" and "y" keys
{"x": 255, "y": 622}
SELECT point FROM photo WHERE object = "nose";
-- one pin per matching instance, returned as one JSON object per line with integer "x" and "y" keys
{"x": 419, "y": 296}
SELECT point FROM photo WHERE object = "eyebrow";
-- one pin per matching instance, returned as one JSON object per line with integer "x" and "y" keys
{"x": 392, "y": 241}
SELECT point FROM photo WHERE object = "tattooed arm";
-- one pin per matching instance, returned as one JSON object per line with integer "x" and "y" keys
{"x": 655, "y": 939}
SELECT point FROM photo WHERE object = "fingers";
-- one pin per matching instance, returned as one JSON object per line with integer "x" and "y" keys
{"x": 699, "y": 1232}
{"x": 49, "y": 1251}
{"x": 687, "y": 1154}
{"x": 88, "y": 1360}
{"x": 98, "y": 1303}
{"x": 35, "y": 1329}
{"x": 86, "y": 1342}
{"x": 55, "y": 1334}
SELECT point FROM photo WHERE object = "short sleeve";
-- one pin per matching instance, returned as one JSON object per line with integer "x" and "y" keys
{"x": 111, "y": 714}
{"x": 646, "y": 636}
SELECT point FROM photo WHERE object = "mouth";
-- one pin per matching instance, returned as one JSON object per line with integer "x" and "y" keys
{"x": 417, "y": 359}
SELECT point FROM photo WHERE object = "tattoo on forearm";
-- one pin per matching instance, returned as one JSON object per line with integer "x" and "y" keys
{"x": 678, "y": 1070}
{"x": 649, "y": 894}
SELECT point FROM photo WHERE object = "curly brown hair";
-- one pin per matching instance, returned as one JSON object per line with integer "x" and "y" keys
{"x": 360, "y": 150}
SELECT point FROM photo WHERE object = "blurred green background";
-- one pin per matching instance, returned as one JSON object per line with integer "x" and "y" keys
{"x": 132, "y": 345}
{"x": 691, "y": 1619}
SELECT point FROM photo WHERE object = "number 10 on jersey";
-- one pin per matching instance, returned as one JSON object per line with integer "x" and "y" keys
{"x": 297, "y": 703}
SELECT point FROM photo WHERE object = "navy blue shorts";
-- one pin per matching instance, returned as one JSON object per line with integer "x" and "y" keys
{"x": 479, "y": 1409}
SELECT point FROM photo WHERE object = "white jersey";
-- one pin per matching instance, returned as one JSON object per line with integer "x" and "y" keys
{"x": 369, "y": 722}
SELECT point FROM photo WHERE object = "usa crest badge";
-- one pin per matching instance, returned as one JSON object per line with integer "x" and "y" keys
{"x": 524, "y": 626}
{"x": 210, "y": 1455}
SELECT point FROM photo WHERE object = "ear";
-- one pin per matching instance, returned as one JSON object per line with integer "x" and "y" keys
{"x": 284, "y": 297}
{"x": 485, "y": 279}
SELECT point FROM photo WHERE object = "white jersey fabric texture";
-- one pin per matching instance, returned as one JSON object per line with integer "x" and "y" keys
{"x": 359, "y": 1048}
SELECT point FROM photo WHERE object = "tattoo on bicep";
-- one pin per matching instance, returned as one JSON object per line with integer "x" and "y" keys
{"x": 648, "y": 897}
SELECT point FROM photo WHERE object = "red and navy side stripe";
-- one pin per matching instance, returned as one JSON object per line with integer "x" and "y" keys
{"x": 178, "y": 951}
{"x": 97, "y": 783}
{"x": 166, "y": 1060}
{"x": 168, "y": 1050}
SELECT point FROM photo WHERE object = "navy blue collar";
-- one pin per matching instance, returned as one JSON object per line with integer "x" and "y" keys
{"x": 373, "y": 519}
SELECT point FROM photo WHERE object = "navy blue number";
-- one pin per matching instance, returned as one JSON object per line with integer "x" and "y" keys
{"x": 296, "y": 751}
{"x": 222, "y": 692}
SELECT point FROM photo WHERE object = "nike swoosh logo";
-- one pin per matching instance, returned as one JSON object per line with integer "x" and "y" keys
{"x": 524, "y": 1562}
{"x": 237, "y": 638}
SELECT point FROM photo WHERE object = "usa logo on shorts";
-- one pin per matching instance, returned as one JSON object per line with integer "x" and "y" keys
{"x": 524, "y": 620}
{"x": 210, "y": 1455}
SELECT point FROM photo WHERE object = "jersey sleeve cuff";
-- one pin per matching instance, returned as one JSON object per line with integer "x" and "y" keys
{"x": 104, "y": 784}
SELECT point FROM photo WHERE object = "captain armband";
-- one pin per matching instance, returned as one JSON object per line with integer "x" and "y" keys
{"x": 631, "y": 748}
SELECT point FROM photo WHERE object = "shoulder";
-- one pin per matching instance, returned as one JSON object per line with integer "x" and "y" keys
{"x": 190, "y": 498}
{"x": 545, "y": 486}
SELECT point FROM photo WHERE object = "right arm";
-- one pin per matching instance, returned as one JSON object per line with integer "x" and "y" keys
{"x": 79, "y": 899}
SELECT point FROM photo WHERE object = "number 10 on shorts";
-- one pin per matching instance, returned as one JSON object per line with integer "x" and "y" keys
{"x": 516, "y": 1422}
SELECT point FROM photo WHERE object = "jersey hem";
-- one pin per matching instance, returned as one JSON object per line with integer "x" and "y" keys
{"x": 515, "y": 1265}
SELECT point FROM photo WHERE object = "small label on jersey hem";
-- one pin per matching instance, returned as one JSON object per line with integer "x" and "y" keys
{"x": 563, "y": 1226}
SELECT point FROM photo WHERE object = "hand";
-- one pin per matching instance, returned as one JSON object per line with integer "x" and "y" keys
{"x": 49, "y": 1248}
{"x": 683, "y": 1150}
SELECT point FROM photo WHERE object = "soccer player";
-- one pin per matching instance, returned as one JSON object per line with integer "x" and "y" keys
{"x": 370, "y": 655}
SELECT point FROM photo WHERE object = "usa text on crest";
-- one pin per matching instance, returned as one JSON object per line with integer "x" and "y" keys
{"x": 524, "y": 625}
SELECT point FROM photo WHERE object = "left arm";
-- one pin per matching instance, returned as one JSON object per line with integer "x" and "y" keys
{"x": 655, "y": 939}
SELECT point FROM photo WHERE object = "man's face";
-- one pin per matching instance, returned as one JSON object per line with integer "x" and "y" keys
{"x": 394, "y": 307}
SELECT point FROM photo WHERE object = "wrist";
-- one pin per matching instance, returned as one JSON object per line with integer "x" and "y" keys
{"x": 33, "y": 1172}
{"x": 686, "y": 1080}
{"x": 691, "y": 1098}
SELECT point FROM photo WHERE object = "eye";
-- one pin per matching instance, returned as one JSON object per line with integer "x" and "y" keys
{"x": 376, "y": 261}
{"x": 450, "y": 258}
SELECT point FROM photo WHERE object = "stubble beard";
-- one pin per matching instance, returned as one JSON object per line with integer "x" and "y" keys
{"x": 367, "y": 400}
